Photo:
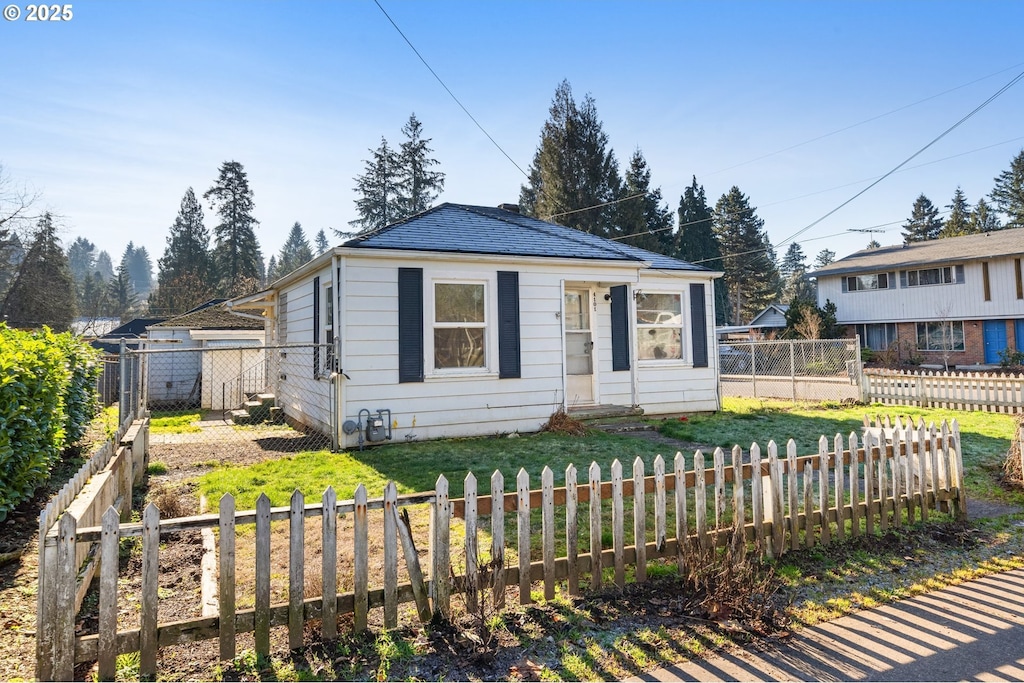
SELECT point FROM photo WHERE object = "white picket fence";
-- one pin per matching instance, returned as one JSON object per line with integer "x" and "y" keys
{"x": 896, "y": 474}
{"x": 991, "y": 392}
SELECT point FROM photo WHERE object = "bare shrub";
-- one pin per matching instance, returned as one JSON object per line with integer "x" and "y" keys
{"x": 561, "y": 423}
{"x": 1012, "y": 473}
{"x": 170, "y": 502}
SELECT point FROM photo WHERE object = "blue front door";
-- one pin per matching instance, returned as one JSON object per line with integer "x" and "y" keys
{"x": 995, "y": 340}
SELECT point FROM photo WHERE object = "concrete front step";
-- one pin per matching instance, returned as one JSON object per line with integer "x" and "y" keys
{"x": 604, "y": 412}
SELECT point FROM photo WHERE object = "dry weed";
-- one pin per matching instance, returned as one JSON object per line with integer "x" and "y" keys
{"x": 561, "y": 423}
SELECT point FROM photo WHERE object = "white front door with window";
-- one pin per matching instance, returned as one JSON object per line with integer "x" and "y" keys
{"x": 579, "y": 349}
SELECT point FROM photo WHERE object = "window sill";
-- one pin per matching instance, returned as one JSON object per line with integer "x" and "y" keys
{"x": 664, "y": 363}
{"x": 460, "y": 376}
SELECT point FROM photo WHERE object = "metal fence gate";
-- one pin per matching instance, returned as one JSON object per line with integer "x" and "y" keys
{"x": 796, "y": 370}
{"x": 212, "y": 401}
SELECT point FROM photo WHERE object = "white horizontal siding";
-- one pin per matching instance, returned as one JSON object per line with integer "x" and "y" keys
{"x": 951, "y": 302}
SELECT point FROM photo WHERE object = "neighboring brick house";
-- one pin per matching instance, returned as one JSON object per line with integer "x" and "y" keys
{"x": 955, "y": 301}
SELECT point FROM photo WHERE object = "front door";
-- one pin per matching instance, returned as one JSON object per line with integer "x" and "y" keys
{"x": 579, "y": 348}
{"x": 995, "y": 340}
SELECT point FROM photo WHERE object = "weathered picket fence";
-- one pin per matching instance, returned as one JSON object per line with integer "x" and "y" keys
{"x": 987, "y": 391}
{"x": 897, "y": 473}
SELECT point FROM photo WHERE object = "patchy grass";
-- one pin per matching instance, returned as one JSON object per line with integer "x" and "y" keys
{"x": 174, "y": 422}
{"x": 985, "y": 436}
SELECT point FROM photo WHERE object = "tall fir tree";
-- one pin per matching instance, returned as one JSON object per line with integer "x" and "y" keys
{"x": 751, "y": 273}
{"x": 121, "y": 298}
{"x": 924, "y": 223}
{"x": 140, "y": 268}
{"x": 874, "y": 244}
{"x": 378, "y": 200}
{"x": 185, "y": 269}
{"x": 81, "y": 259}
{"x": 958, "y": 222}
{"x": 418, "y": 184}
{"x": 824, "y": 257}
{"x": 574, "y": 175}
{"x": 696, "y": 242}
{"x": 320, "y": 243}
{"x": 42, "y": 290}
{"x": 1008, "y": 193}
{"x": 983, "y": 218}
{"x": 793, "y": 272}
{"x": 294, "y": 253}
{"x": 104, "y": 266}
{"x": 237, "y": 261}
{"x": 642, "y": 216}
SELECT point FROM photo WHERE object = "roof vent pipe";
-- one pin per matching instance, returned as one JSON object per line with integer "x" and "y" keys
{"x": 514, "y": 208}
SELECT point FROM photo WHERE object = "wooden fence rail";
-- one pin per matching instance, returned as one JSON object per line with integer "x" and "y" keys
{"x": 896, "y": 473}
{"x": 991, "y": 392}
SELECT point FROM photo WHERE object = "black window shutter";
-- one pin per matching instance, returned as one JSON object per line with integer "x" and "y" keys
{"x": 410, "y": 324}
{"x": 620, "y": 328}
{"x": 508, "y": 325}
{"x": 698, "y": 326}
{"x": 316, "y": 327}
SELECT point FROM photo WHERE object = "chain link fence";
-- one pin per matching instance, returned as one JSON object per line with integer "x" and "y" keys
{"x": 797, "y": 370}
{"x": 228, "y": 402}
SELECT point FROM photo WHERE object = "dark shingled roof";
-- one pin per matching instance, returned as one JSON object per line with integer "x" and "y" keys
{"x": 933, "y": 252}
{"x": 216, "y": 317}
{"x": 462, "y": 229}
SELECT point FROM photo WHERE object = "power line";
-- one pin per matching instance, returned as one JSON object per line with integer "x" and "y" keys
{"x": 903, "y": 163}
{"x": 865, "y": 121}
{"x": 448, "y": 90}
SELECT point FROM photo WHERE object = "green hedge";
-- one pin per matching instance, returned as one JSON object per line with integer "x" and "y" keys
{"x": 47, "y": 398}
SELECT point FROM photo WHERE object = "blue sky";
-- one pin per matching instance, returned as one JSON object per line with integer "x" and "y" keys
{"x": 115, "y": 113}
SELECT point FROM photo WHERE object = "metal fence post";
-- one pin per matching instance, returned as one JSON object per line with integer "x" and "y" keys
{"x": 753, "y": 371}
{"x": 122, "y": 404}
{"x": 792, "y": 367}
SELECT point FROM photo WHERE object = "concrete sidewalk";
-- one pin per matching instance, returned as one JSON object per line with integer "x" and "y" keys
{"x": 974, "y": 631}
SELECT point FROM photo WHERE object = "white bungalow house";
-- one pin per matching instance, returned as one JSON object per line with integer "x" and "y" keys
{"x": 468, "y": 320}
{"x": 955, "y": 301}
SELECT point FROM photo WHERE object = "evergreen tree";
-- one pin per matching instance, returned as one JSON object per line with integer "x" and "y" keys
{"x": 104, "y": 266}
{"x": 983, "y": 218}
{"x": 320, "y": 242}
{"x": 1008, "y": 193}
{"x": 140, "y": 268}
{"x": 93, "y": 300}
{"x": 643, "y": 218}
{"x": 237, "y": 261}
{"x": 378, "y": 197}
{"x": 294, "y": 253}
{"x": 272, "y": 268}
{"x": 959, "y": 220}
{"x": 793, "y": 272}
{"x": 418, "y": 185}
{"x": 121, "y": 298}
{"x": 824, "y": 257}
{"x": 696, "y": 242}
{"x": 573, "y": 169}
{"x": 42, "y": 291}
{"x": 751, "y": 274}
{"x": 81, "y": 259}
{"x": 924, "y": 223}
{"x": 874, "y": 244}
{"x": 185, "y": 268}
{"x": 12, "y": 253}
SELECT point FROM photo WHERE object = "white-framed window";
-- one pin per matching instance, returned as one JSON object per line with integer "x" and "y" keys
{"x": 863, "y": 283}
{"x": 282, "y": 319}
{"x": 458, "y": 337}
{"x": 923, "y": 277}
{"x": 947, "y": 335}
{"x": 328, "y": 303}
{"x": 659, "y": 325}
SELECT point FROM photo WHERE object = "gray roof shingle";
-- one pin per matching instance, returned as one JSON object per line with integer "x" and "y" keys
{"x": 459, "y": 228}
{"x": 948, "y": 250}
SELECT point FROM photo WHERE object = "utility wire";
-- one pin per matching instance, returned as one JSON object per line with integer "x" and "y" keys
{"x": 448, "y": 90}
{"x": 906, "y": 161}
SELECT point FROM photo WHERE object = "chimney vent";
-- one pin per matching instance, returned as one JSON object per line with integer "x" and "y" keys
{"x": 514, "y": 208}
